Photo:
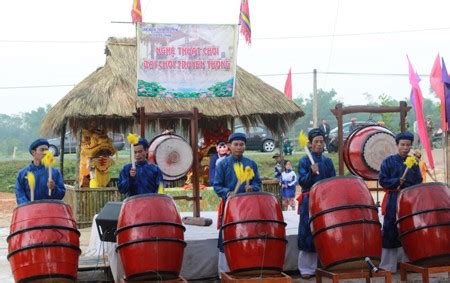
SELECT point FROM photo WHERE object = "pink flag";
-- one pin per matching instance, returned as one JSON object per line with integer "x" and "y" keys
{"x": 417, "y": 102}
{"x": 244, "y": 21}
{"x": 438, "y": 86}
{"x": 136, "y": 12}
{"x": 288, "y": 86}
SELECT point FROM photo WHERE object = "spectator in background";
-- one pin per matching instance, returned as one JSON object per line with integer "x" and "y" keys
{"x": 278, "y": 168}
{"x": 222, "y": 152}
{"x": 325, "y": 127}
{"x": 422, "y": 166}
{"x": 430, "y": 129}
{"x": 288, "y": 183}
{"x": 287, "y": 147}
{"x": 353, "y": 125}
{"x": 416, "y": 134}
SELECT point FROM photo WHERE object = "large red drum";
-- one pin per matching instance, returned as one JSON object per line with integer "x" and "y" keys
{"x": 423, "y": 213}
{"x": 150, "y": 238}
{"x": 254, "y": 233}
{"x": 366, "y": 148}
{"x": 344, "y": 223}
{"x": 43, "y": 243}
{"x": 172, "y": 154}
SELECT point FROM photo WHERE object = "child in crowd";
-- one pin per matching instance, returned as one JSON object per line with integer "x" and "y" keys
{"x": 278, "y": 168}
{"x": 288, "y": 184}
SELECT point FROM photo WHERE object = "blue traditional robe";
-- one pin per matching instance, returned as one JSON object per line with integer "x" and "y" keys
{"x": 147, "y": 179}
{"x": 306, "y": 179}
{"x": 23, "y": 194}
{"x": 391, "y": 170}
{"x": 213, "y": 162}
{"x": 225, "y": 181}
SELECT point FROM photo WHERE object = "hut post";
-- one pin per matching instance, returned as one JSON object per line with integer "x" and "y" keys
{"x": 447, "y": 157}
{"x": 403, "y": 112}
{"x": 280, "y": 139}
{"x": 79, "y": 136}
{"x": 61, "y": 159}
{"x": 195, "y": 163}
{"x": 141, "y": 111}
{"x": 339, "y": 114}
{"x": 232, "y": 124}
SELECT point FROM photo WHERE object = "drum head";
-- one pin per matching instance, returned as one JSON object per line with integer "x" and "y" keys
{"x": 174, "y": 158}
{"x": 377, "y": 147}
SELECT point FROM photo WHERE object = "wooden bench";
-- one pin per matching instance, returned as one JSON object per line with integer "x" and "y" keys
{"x": 335, "y": 276}
{"x": 425, "y": 271}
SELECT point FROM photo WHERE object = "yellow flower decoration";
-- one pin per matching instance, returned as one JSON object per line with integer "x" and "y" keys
{"x": 133, "y": 138}
{"x": 302, "y": 139}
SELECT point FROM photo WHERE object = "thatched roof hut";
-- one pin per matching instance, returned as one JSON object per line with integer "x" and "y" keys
{"x": 107, "y": 97}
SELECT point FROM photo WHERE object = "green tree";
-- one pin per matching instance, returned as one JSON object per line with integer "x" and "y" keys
{"x": 20, "y": 130}
{"x": 326, "y": 100}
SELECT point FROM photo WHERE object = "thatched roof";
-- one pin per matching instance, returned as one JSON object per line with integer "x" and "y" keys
{"x": 108, "y": 97}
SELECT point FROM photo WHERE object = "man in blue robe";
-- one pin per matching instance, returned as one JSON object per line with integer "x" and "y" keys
{"x": 42, "y": 184}
{"x": 145, "y": 179}
{"x": 391, "y": 173}
{"x": 225, "y": 181}
{"x": 308, "y": 175}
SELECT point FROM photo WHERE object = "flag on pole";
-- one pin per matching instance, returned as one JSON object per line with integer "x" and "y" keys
{"x": 244, "y": 21}
{"x": 446, "y": 86}
{"x": 288, "y": 86}
{"x": 417, "y": 102}
{"x": 438, "y": 86}
{"x": 136, "y": 13}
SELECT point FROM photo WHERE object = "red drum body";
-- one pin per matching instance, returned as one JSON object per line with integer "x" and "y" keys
{"x": 366, "y": 148}
{"x": 172, "y": 154}
{"x": 150, "y": 238}
{"x": 344, "y": 223}
{"x": 423, "y": 214}
{"x": 254, "y": 233}
{"x": 43, "y": 243}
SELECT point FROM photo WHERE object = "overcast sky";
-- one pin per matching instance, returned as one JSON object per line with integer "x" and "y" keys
{"x": 59, "y": 43}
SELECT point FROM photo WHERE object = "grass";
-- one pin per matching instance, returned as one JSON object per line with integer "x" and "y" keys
{"x": 10, "y": 168}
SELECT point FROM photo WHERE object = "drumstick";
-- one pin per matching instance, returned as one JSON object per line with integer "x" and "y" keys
{"x": 410, "y": 161}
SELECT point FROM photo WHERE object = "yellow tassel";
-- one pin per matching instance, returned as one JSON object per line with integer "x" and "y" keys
{"x": 31, "y": 180}
{"x": 48, "y": 159}
{"x": 161, "y": 189}
{"x": 249, "y": 173}
{"x": 410, "y": 161}
{"x": 239, "y": 171}
{"x": 133, "y": 138}
{"x": 302, "y": 139}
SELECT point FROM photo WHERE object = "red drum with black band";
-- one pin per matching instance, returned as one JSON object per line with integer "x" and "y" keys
{"x": 423, "y": 219}
{"x": 150, "y": 238}
{"x": 172, "y": 154}
{"x": 254, "y": 233}
{"x": 366, "y": 148}
{"x": 43, "y": 243}
{"x": 344, "y": 223}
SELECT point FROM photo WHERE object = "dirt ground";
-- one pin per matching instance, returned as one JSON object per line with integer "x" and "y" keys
{"x": 7, "y": 204}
